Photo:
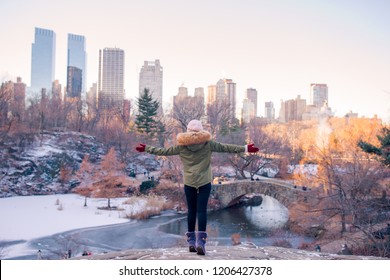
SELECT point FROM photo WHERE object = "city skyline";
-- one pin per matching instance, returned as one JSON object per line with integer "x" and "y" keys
{"x": 278, "y": 48}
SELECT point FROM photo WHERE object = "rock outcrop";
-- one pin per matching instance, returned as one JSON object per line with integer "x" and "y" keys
{"x": 240, "y": 252}
{"x": 33, "y": 168}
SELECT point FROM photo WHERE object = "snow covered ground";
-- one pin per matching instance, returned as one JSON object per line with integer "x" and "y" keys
{"x": 30, "y": 217}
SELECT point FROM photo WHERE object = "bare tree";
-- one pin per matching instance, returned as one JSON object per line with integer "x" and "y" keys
{"x": 65, "y": 173}
{"x": 187, "y": 109}
{"x": 91, "y": 118}
{"x": 86, "y": 174}
{"x": 348, "y": 183}
{"x": 272, "y": 150}
{"x": 109, "y": 180}
{"x": 5, "y": 98}
{"x": 171, "y": 169}
{"x": 218, "y": 116}
{"x": 67, "y": 244}
{"x": 6, "y": 119}
{"x": 56, "y": 112}
{"x": 75, "y": 116}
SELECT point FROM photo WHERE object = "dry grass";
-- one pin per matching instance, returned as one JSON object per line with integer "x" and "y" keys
{"x": 147, "y": 206}
{"x": 173, "y": 192}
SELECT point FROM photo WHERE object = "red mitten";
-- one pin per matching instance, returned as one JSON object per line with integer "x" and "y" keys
{"x": 252, "y": 149}
{"x": 140, "y": 148}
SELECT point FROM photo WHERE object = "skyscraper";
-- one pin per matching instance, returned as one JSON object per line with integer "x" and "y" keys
{"x": 318, "y": 94}
{"x": 251, "y": 94}
{"x": 111, "y": 90}
{"x": 74, "y": 82}
{"x": 56, "y": 90}
{"x": 223, "y": 93}
{"x": 179, "y": 99}
{"x": 199, "y": 92}
{"x": 212, "y": 94}
{"x": 14, "y": 101}
{"x": 43, "y": 59}
{"x": 151, "y": 78}
{"x": 248, "y": 110}
{"x": 226, "y": 92}
{"x": 292, "y": 110}
{"x": 231, "y": 95}
{"x": 19, "y": 98}
{"x": 77, "y": 56}
{"x": 269, "y": 110}
{"x": 182, "y": 94}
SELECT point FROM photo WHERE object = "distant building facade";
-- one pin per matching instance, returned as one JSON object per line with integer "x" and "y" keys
{"x": 151, "y": 78}
{"x": 195, "y": 102}
{"x": 74, "y": 82}
{"x": 292, "y": 110}
{"x": 56, "y": 90}
{"x": 251, "y": 94}
{"x": 111, "y": 74}
{"x": 269, "y": 110}
{"x": 43, "y": 52}
{"x": 315, "y": 113}
{"x": 12, "y": 103}
{"x": 318, "y": 94}
{"x": 225, "y": 92}
{"x": 211, "y": 94}
{"x": 199, "y": 96}
{"x": 199, "y": 92}
{"x": 77, "y": 56}
{"x": 19, "y": 98}
{"x": 248, "y": 110}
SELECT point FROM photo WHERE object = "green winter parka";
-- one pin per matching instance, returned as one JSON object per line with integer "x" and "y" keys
{"x": 194, "y": 150}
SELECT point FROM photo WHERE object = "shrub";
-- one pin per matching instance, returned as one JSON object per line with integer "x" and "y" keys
{"x": 147, "y": 185}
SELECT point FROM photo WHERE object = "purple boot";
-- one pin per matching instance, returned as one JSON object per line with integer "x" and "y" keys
{"x": 200, "y": 242}
{"x": 191, "y": 240}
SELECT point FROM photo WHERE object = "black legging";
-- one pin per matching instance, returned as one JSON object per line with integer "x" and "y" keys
{"x": 197, "y": 200}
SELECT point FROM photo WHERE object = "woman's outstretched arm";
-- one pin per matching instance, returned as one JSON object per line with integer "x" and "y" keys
{"x": 171, "y": 151}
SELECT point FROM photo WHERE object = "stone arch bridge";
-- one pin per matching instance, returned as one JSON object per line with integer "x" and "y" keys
{"x": 230, "y": 193}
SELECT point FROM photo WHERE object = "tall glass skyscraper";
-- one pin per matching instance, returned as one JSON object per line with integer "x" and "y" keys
{"x": 43, "y": 59}
{"x": 77, "y": 56}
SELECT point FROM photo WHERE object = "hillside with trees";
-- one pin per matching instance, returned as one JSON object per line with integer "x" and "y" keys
{"x": 56, "y": 146}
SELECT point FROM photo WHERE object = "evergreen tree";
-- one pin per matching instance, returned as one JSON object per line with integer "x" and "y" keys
{"x": 146, "y": 119}
{"x": 383, "y": 151}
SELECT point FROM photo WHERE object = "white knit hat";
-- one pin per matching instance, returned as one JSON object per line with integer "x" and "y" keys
{"x": 194, "y": 125}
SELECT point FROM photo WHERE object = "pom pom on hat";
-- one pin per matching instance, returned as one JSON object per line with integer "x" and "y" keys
{"x": 194, "y": 125}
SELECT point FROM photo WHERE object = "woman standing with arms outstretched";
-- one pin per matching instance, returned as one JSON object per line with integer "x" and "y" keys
{"x": 194, "y": 148}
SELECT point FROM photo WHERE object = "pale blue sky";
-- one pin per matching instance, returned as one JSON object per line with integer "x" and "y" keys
{"x": 278, "y": 47}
